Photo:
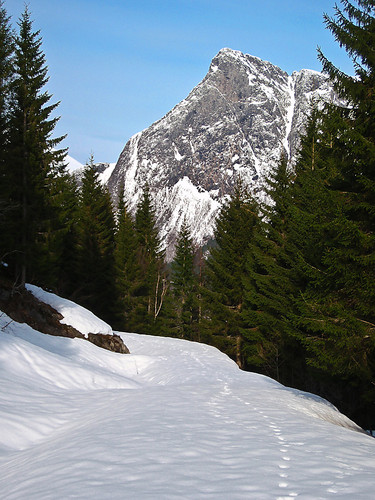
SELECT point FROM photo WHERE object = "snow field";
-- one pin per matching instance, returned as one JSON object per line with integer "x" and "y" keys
{"x": 172, "y": 420}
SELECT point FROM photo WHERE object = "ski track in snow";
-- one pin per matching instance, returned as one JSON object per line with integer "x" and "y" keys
{"x": 172, "y": 420}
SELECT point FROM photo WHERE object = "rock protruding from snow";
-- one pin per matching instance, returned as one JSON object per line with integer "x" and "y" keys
{"x": 74, "y": 315}
{"x": 235, "y": 123}
{"x": 110, "y": 342}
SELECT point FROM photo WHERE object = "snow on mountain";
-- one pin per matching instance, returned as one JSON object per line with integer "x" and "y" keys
{"x": 104, "y": 170}
{"x": 72, "y": 164}
{"x": 235, "y": 122}
{"x": 172, "y": 420}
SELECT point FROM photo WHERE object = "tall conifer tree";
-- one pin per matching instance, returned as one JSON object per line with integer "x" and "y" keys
{"x": 127, "y": 265}
{"x": 6, "y": 75}
{"x": 95, "y": 285}
{"x": 153, "y": 285}
{"x": 345, "y": 343}
{"x": 354, "y": 256}
{"x": 338, "y": 314}
{"x": 224, "y": 291}
{"x": 332, "y": 222}
{"x": 62, "y": 240}
{"x": 312, "y": 216}
{"x": 268, "y": 285}
{"x": 184, "y": 282}
{"x": 32, "y": 160}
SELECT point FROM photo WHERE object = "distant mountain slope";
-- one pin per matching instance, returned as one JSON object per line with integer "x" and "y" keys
{"x": 104, "y": 169}
{"x": 72, "y": 164}
{"x": 236, "y": 122}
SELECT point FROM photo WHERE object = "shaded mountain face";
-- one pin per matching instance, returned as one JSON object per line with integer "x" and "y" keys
{"x": 236, "y": 122}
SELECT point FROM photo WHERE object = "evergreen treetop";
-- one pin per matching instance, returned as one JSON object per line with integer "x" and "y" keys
{"x": 6, "y": 74}
{"x": 145, "y": 225}
{"x": 353, "y": 27}
{"x": 183, "y": 264}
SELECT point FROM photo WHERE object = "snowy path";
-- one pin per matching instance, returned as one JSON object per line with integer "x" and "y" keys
{"x": 173, "y": 420}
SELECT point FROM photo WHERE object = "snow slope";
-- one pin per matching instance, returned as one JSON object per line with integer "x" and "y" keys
{"x": 172, "y": 420}
{"x": 73, "y": 164}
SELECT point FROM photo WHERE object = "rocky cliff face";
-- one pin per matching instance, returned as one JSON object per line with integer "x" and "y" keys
{"x": 236, "y": 122}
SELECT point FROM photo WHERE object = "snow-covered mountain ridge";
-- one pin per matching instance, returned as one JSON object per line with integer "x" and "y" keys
{"x": 76, "y": 169}
{"x": 235, "y": 122}
{"x": 172, "y": 420}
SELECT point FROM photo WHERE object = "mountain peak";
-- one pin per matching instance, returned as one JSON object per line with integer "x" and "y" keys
{"x": 236, "y": 54}
{"x": 236, "y": 122}
{"x": 230, "y": 56}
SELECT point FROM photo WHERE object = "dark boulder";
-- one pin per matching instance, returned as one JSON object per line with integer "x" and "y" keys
{"x": 111, "y": 342}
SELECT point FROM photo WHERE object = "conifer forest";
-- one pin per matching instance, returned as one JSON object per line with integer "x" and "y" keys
{"x": 286, "y": 289}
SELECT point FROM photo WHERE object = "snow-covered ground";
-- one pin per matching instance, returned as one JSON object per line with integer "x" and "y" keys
{"x": 172, "y": 420}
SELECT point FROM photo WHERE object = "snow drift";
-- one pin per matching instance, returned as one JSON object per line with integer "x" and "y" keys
{"x": 172, "y": 420}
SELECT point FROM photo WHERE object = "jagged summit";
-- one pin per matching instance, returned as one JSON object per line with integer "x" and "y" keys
{"x": 236, "y": 121}
{"x": 230, "y": 55}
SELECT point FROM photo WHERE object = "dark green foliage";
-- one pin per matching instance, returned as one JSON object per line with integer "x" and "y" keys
{"x": 152, "y": 287}
{"x": 145, "y": 225}
{"x": 62, "y": 244}
{"x": 325, "y": 315}
{"x": 185, "y": 286}
{"x": 330, "y": 226}
{"x": 95, "y": 279}
{"x": 224, "y": 291}
{"x": 183, "y": 264}
{"x": 31, "y": 160}
{"x": 341, "y": 331}
{"x": 6, "y": 75}
{"x": 268, "y": 286}
{"x": 127, "y": 266}
{"x": 313, "y": 221}
{"x": 354, "y": 252}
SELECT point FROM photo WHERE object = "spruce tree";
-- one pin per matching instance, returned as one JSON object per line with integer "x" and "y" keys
{"x": 354, "y": 256}
{"x": 153, "y": 285}
{"x": 95, "y": 276}
{"x": 6, "y": 75}
{"x": 127, "y": 266}
{"x": 32, "y": 159}
{"x": 337, "y": 241}
{"x": 62, "y": 240}
{"x": 185, "y": 286}
{"x": 327, "y": 279}
{"x": 223, "y": 290}
{"x": 268, "y": 286}
{"x": 340, "y": 335}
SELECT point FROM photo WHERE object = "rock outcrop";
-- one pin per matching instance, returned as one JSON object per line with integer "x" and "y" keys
{"x": 236, "y": 122}
{"x": 22, "y": 306}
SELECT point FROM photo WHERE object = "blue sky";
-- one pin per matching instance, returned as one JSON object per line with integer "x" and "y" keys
{"x": 117, "y": 65}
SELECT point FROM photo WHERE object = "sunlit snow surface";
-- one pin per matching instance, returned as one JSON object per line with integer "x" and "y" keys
{"x": 72, "y": 164}
{"x": 80, "y": 318}
{"x": 172, "y": 420}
